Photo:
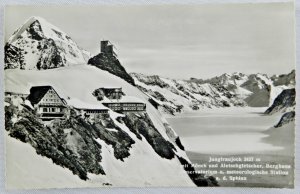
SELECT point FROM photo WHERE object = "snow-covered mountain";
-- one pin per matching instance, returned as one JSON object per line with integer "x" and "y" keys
{"x": 257, "y": 90}
{"x": 129, "y": 149}
{"x": 37, "y": 44}
{"x": 237, "y": 89}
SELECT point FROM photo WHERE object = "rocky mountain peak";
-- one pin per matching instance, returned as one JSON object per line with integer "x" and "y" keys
{"x": 34, "y": 27}
{"x": 38, "y": 44}
{"x": 107, "y": 60}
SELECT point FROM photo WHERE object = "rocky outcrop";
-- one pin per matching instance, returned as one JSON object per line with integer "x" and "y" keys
{"x": 284, "y": 79}
{"x": 50, "y": 57}
{"x": 111, "y": 64}
{"x": 199, "y": 179}
{"x": 286, "y": 118}
{"x": 284, "y": 101}
{"x": 141, "y": 125}
{"x": 153, "y": 80}
{"x": 13, "y": 57}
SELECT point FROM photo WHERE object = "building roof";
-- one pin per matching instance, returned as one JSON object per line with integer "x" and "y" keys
{"x": 111, "y": 88}
{"x": 78, "y": 104}
{"x": 37, "y": 93}
{"x": 7, "y": 92}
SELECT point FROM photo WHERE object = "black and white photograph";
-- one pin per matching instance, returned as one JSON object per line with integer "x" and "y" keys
{"x": 169, "y": 95}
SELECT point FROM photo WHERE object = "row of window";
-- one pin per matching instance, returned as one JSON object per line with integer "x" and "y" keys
{"x": 115, "y": 108}
{"x": 95, "y": 111}
{"x": 126, "y": 105}
{"x": 133, "y": 105}
{"x": 114, "y": 105}
{"x": 129, "y": 108}
{"x": 52, "y": 109}
{"x": 132, "y": 108}
{"x": 51, "y": 100}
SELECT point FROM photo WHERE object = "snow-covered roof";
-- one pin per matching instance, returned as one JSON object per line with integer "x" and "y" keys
{"x": 110, "y": 87}
{"x": 19, "y": 90}
{"x": 22, "y": 93}
{"x": 76, "y": 103}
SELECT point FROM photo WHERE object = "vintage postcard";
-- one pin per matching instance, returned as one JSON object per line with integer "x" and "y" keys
{"x": 199, "y": 95}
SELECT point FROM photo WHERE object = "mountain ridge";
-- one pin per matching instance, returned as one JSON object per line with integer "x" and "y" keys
{"x": 236, "y": 89}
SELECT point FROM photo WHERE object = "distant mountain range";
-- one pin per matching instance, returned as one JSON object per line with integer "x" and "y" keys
{"x": 227, "y": 90}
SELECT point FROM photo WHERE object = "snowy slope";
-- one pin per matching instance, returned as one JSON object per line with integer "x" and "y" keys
{"x": 144, "y": 166}
{"x": 38, "y": 44}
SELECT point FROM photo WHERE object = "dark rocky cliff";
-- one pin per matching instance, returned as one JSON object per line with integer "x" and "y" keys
{"x": 286, "y": 118}
{"x": 111, "y": 64}
{"x": 283, "y": 101}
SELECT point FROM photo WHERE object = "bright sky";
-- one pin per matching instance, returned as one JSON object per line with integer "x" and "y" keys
{"x": 180, "y": 41}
